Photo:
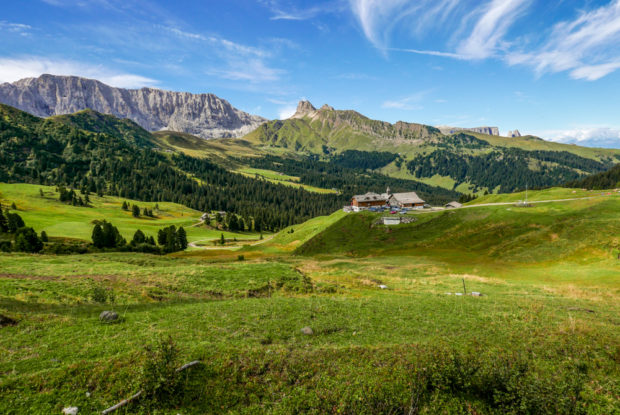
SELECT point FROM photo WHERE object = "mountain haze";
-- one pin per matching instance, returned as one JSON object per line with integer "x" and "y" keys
{"x": 203, "y": 115}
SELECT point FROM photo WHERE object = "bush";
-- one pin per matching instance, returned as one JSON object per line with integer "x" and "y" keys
{"x": 27, "y": 240}
{"x": 102, "y": 295}
{"x": 160, "y": 379}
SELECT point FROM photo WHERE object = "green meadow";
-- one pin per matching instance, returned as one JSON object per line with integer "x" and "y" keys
{"x": 47, "y": 213}
{"x": 390, "y": 335}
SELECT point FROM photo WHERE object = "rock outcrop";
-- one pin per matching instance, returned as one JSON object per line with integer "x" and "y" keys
{"x": 514, "y": 133}
{"x": 304, "y": 108}
{"x": 203, "y": 115}
{"x": 482, "y": 130}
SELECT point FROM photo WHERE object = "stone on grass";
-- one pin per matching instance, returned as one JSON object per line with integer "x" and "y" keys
{"x": 383, "y": 286}
{"x": 7, "y": 321}
{"x": 307, "y": 331}
{"x": 70, "y": 410}
{"x": 476, "y": 294}
{"x": 108, "y": 316}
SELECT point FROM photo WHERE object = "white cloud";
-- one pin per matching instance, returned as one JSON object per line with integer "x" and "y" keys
{"x": 497, "y": 17}
{"x": 586, "y": 136}
{"x": 286, "y": 112}
{"x": 593, "y": 37}
{"x": 281, "y": 12}
{"x": 13, "y": 69}
{"x": 17, "y": 28}
{"x": 409, "y": 103}
{"x": 378, "y": 18}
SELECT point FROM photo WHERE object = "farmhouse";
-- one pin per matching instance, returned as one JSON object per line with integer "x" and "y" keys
{"x": 370, "y": 199}
{"x": 406, "y": 200}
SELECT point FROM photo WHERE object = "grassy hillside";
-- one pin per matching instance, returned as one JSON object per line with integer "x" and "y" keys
{"x": 541, "y": 339}
{"x": 47, "y": 213}
{"x": 575, "y": 240}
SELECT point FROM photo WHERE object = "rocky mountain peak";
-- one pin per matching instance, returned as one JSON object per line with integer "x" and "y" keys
{"x": 304, "y": 108}
{"x": 203, "y": 115}
{"x": 326, "y": 107}
{"x": 514, "y": 133}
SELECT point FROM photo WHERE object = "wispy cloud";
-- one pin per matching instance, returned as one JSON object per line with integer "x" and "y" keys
{"x": 13, "y": 69}
{"x": 587, "y": 47}
{"x": 409, "y": 103}
{"x": 490, "y": 29}
{"x": 593, "y": 37}
{"x": 289, "y": 12}
{"x": 241, "y": 62}
{"x": 17, "y": 28}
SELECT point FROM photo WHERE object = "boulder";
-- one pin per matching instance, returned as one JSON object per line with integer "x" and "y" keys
{"x": 70, "y": 410}
{"x": 7, "y": 321}
{"x": 108, "y": 316}
{"x": 307, "y": 331}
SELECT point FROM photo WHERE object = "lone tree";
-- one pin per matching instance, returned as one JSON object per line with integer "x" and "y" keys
{"x": 44, "y": 237}
{"x": 125, "y": 206}
{"x": 97, "y": 236}
{"x": 222, "y": 240}
{"x": 135, "y": 211}
{"x": 138, "y": 238}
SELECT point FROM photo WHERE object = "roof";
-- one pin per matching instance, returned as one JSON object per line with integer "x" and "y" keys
{"x": 406, "y": 198}
{"x": 454, "y": 204}
{"x": 370, "y": 197}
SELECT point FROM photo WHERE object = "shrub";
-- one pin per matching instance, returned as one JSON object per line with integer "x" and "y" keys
{"x": 27, "y": 240}
{"x": 102, "y": 295}
{"x": 160, "y": 379}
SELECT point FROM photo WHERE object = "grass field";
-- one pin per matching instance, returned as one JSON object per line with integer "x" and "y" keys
{"x": 543, "y": 337}
{"x": 281, "y": 178}
{"x": 47, "y": 213}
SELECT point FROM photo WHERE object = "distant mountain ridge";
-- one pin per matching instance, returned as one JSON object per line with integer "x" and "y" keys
{"x": 203, "y": 115}
{"x": 481, "y": 130}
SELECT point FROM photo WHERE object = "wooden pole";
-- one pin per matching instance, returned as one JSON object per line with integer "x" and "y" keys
{"x": 121, "y": 403}
{"x": 139, "y": 393}
{"x": 464, "y": 289}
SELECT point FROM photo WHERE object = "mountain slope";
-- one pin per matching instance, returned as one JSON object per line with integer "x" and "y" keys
{"x": 465, "y": 161}
{"x": 605, "y": 180}
{"x": 204, "y": 115}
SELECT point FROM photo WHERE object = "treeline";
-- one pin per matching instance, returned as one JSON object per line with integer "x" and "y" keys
{"x": 365, "y": 160}
{"x": 509, "y": 168}
{"x": 16, "y": 236}
{"x": 609, "y": 179}
{"x": 348, "y": 181}
{"x": 169, "y": 239}
{"x": 34, "y": 150}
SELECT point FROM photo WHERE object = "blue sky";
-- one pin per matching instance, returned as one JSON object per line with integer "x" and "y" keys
{"x": 550, "y": 68}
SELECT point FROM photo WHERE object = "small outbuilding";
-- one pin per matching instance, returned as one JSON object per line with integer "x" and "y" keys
{"x": 391, "y": 220}
{"x": 453, "y": 205}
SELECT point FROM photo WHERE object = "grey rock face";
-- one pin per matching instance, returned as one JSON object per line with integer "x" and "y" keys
{"x": 303, "y": 108}
{"x": 482, "y": 130}
{"x": 108, "y": 316}
{"x": 514, "y": 133}
{"x": 203, "y": 115}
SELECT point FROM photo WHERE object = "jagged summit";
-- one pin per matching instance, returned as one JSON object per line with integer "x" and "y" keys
{"x": 304, "y": 108}
{"x": 204, "y": 115}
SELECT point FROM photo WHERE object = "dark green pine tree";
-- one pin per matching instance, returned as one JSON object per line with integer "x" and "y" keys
{"x": 97, "y": 236}
{"x": 14, "y": 222}
{"x": 182, "y": 239}
{"x": 161, "y": 237}
{"x": 44, "y": 237}
{"x": 27, "y": 240}
{"x": 3, "y": 222}
{"x": 233, "y": 223}
{"x": 138, "y": 238}
{"x": 135, "y": 211}
{"x": 222, "y": 240}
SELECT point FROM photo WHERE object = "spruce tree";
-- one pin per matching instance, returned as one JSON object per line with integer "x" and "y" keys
{"x": 44, "y": 237}
{"x": 138, "y": 238}
{"x": 124, "y": 207}
{"x": 182, "y": 239}
{"x": 135, "y": 211}
{"x": 222, "y": 240}
{"x": 3, "y": 222}
{"x": 97, "y": 236}
{"x": 14, "y": 222}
